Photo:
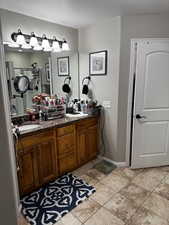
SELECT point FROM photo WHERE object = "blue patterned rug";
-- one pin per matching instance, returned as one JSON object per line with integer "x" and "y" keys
{"x": 51, "y": 202}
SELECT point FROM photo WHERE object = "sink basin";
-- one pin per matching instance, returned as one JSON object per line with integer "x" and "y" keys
{"x": 25, "y": 128}
{"x": 78, "y": 115}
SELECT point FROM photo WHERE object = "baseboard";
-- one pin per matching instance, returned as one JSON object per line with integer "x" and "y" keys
{"x": 118, "y": 164}
{"x": 19, "y": 208}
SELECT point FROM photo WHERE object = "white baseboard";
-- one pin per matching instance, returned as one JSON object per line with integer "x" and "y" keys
{"x": 118, "y": 164}
{"x": 19, "y": 208}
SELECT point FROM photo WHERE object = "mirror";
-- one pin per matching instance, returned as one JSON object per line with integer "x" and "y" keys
{"x": 21, "y": 84}
{"x": 30, "y": 73}
{"x": 65, "y": 64}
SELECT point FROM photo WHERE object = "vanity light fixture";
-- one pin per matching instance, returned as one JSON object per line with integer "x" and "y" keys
{"x": 56, "y": 45}
{"x": 33, "y": 40}
{"x": 65, "y": 46}
{"x": 20, "y": 40}
{"x": 43, "y": 43}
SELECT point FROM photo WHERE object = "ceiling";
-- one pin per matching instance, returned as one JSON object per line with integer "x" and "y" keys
{"x": 79, "y": 13}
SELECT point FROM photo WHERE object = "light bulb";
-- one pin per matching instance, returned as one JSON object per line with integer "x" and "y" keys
{"x": 26, "y": 46}
{"x": 65, "y": 46}
{"x": 38, "y": 48}
{"x": 48, "y": 49}
{"x": 20, "y": 40}
{"x": 13, "y": 45}
{"x": 56, "y": 45}
{"x": 45, "y": 42}
{"x": 33, "y": 40}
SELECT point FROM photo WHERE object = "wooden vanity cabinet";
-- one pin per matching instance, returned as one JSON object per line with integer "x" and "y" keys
{"x": 28, "y": 175}
{"x": 37, "y": 158}
{"x": 44, "y": 155}
{"x": 87, "y": 140}
{"x": 47, "y": 161}
{"x": 66, "y": 145}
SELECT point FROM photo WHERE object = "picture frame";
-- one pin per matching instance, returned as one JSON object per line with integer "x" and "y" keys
{"x": 47, "y": 72}
{"x": 63, "y": 66}
{"x": 98, "y": 63}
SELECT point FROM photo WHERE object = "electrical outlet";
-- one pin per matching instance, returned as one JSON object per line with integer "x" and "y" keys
{"x": 107, "y": 104}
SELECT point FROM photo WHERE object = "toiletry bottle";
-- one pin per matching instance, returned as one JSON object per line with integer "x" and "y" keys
{"x": 82, "y": 106}
{"x": 40, "y": 115}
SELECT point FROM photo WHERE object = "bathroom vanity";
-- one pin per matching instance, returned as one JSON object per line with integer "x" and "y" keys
{"x": 47, "y": 149}
{"x": 56, "y": 147}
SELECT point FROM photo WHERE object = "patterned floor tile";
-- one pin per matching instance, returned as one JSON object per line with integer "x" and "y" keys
{"x": 85, "y": 210}
{"x": 166, "y": 179}
{"x": 164, "y": 168}
{"x": 95, "y": 174}
{"x": 68, "y": 219}
{"x": 102, "y": 194}
{"x": 83, "y": 169}
{"x": 89, "y": 180}
{"x": 134, "y": 204}
{"x": 115, "y": 182}
{"x": 163, "y": 190}
{"x": 145, "y": 217}
{"x": 122, "y": 207}
{"x": 149, "y": 179}
{"x": 104, "y": 217}
{"x": 158, "y": 205}
{"x": 127, "y": 172}
{"x": 135, "y": 193}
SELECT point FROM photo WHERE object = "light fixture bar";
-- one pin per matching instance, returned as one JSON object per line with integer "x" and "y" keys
{"x": 38, "y": 43}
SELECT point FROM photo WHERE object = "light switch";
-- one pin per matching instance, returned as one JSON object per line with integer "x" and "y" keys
{"x": 107, "y": 104}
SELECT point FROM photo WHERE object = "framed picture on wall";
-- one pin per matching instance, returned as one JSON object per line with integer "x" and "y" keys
{"x": 98, "y": 63}
{"x": 47, "y": 72}
{"x": 63, "y": 66}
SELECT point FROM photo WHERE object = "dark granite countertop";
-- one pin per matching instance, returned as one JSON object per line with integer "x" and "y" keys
{"x": 53, "y": 123}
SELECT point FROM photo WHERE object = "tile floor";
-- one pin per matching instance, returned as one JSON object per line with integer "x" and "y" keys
{"x": 124, "y": 197}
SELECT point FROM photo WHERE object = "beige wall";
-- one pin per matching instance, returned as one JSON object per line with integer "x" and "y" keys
{"x": 8, "y": 186}
{"x": 74, "y": 73}
{"x": 143, "y": 26}
{"x": 25, "y": 59}
{"x": 103, "y": 36}
{"x": 115, "y": 36}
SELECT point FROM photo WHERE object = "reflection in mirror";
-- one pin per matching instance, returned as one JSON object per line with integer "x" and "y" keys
{"x": 28, "y": 74}
{"x": 21, "y": 84}
{"x": 31, "y": 73}
{"x": 65, "y": 64}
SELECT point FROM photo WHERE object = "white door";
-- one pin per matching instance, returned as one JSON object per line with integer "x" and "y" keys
{"x": 150, "y": 142}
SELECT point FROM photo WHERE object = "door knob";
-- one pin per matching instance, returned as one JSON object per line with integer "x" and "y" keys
{"x": 138, "y": 117}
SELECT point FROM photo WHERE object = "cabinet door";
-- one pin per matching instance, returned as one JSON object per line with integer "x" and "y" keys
{"x": 47, "y": 160}
{"x": 67, "y": 162}
{"x": 28, "y": 173}
{"x": 92, "y": 141}
{"x": 82, "y": 146}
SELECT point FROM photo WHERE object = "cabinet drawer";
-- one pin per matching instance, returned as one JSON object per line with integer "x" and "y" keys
{"x": 65, "y": 130}
{"x": 87, "y": 123}
{"x": 34, "y": 139}
{"x": 65, "y": 143}
{"x": 67, "y": 163}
